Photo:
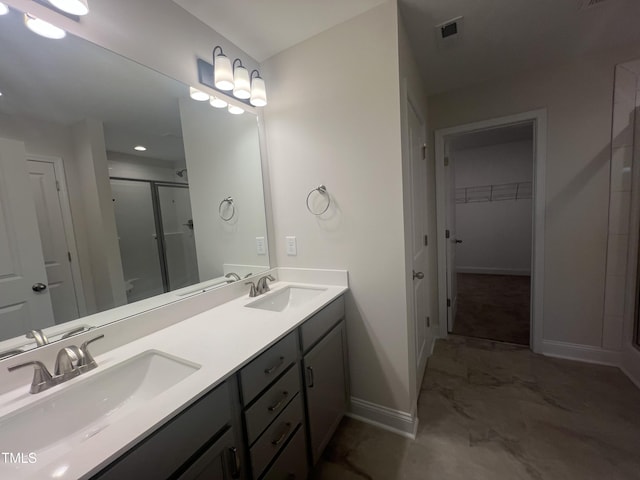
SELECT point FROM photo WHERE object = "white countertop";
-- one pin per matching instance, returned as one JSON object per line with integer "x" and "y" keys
{"x": 220, "y": 340}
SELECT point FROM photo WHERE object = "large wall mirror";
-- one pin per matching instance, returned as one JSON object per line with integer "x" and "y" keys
{"x": 118, "y": 192}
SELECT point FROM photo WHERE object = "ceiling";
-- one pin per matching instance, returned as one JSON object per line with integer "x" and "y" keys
{"x": 65, "y": 81}
{"x": 502, "y": 37}
{"x": 264, "y": 28}
{"x": 492, "y": 136}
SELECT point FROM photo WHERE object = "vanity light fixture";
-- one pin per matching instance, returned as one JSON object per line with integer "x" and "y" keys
{"x": 198, "y": 95}
{"x": 42, "y": 28}
{"x": 235, "y": 110}
{"x": 140, "y": 148}
{"x": 74, "y": 7}
{"x": 222, "y": 72}
{"x": 3, "y": 9}
{"x": 258, "y": 90}
{"x": 217, "y": 102}
{"x": 241, "y": 82}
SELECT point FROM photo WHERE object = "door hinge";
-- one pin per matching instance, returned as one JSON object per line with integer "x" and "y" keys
{"x": 69, "y": 256}
{"x": 447, "y": 234}
{"x": 58, "y": 185}
{"x": 428, "y": 322}
{"x": 424, "y": 151}
{"x": 448, "y": 302}
{"x": 426, "y": 240}
{"x": 446, "y": 161}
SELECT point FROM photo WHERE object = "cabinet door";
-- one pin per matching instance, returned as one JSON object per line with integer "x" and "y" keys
{"x": 326, "y": 390}
{"x": 219, "y": 462}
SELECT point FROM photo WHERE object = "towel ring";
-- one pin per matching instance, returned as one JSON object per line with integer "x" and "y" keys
{"x": 228, "y": 200}
{"x": 322, "y": 190}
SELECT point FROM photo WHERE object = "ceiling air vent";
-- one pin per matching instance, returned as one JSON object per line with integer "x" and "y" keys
{"x": 584, "y": 4}
{"x": 449, "y": 33}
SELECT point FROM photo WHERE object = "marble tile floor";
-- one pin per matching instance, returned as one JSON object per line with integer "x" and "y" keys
{"x": 497, "y": 411}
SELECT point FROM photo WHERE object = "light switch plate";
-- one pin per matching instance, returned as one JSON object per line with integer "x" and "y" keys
{"x": 292, "y": 246}
{"x": 261, "y": 247}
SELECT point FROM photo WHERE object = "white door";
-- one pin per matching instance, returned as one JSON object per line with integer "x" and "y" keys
{"x": 418, "y": 166}
{"x": 22, "y": 273}
{"x": 450, "y": 239}
{"x": 57, "y": 257}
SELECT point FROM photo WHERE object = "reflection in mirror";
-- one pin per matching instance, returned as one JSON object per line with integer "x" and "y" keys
{"x": 112, "y": 189}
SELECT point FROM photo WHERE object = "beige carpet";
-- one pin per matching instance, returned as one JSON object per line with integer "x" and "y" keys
{"x": 494, "y": 307}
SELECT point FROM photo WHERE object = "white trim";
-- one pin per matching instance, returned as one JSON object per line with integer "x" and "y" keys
{"x": 494, "y": 271}
{"x": 582, "y": 353}
{"x": 395, "y": 421}
{"x": 631, "y": 364}
{"x": 539, "y": 119}
{"x": 67, "y": 219}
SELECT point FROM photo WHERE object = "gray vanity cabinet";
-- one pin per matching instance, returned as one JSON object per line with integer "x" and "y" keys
{"x": 201, "y": 442}
{"x": 326, "y": 388}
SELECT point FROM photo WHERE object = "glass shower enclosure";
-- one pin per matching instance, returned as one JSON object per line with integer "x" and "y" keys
{"x": 155, "y": 234}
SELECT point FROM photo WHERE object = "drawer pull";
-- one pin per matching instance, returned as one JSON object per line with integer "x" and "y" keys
{"x": 235, "y": 462}
{"x": 270, "y": 370}
{"x": 279, "y": 403}
{"x": 284, "y": 435}
{"x": 309, "y": 377}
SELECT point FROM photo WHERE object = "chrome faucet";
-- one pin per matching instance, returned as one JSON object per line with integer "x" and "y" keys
{"x": 70, "y": 362}
{"x": 252, "y": 290}
{"x": 262, "y": 286}
{"x": 233, "y": 277}
{"x": 39, "y": 336}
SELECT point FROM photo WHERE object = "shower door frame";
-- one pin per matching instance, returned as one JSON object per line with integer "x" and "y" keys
{"x": 157, "y": 219}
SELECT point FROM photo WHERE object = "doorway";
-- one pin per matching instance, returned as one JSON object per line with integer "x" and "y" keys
{"x": 491, "y": 174}
{"x": 490, "y": 269}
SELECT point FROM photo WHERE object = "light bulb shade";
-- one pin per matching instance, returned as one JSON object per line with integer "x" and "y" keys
{"x": 222, "y": 73}
{"x": 242, "y": 85}
{"x": 198, "y": 95}
{"x": 217, "y": 102}
{"x": 235, "y": 110}
{"x": 258, "y": 92}
{"x": 42, "y": 28}
{"x": 74, "y": 7}
{"x": 3, "y": 9}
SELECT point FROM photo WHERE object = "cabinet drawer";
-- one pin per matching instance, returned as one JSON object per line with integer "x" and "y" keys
{"x": 182, "y": 437}
{"x": 292, "y": 462}
{"x": 272, "y": 402}
{"x": 313, "y": 329}
{"x": 256, "y": 376}
{"x": 276, "y": 436}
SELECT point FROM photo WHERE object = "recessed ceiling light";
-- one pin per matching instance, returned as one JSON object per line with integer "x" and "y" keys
{"x": 140, "y": 148}
{"x": 43, "y": 28}
{"x": 3, "y": 9}
{"x": 74, "y": 7}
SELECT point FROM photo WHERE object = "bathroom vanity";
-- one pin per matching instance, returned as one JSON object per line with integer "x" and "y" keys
{"x": 251, "y": 389}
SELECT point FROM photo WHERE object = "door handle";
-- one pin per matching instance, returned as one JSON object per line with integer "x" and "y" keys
{"x": 458, "y": 241}
{"x": 39, "y": 287}
{"x": 418, "y": 275}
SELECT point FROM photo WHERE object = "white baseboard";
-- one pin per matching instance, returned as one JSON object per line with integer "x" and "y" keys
{"x": 494, "y": 271}
{"x": 631, "y": 365}
{"x": 395, "y": 421}
{"x": 583, "y": 353}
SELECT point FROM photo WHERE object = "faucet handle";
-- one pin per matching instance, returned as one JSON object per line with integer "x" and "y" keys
{"x": 252, "y": 291}
{"x": 41, "y": 377}
{"x": 88, "y": 362}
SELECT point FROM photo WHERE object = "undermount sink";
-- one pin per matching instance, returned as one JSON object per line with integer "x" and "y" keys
{"x": 58, "y": 423}
{"x": 288, "y": 297}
